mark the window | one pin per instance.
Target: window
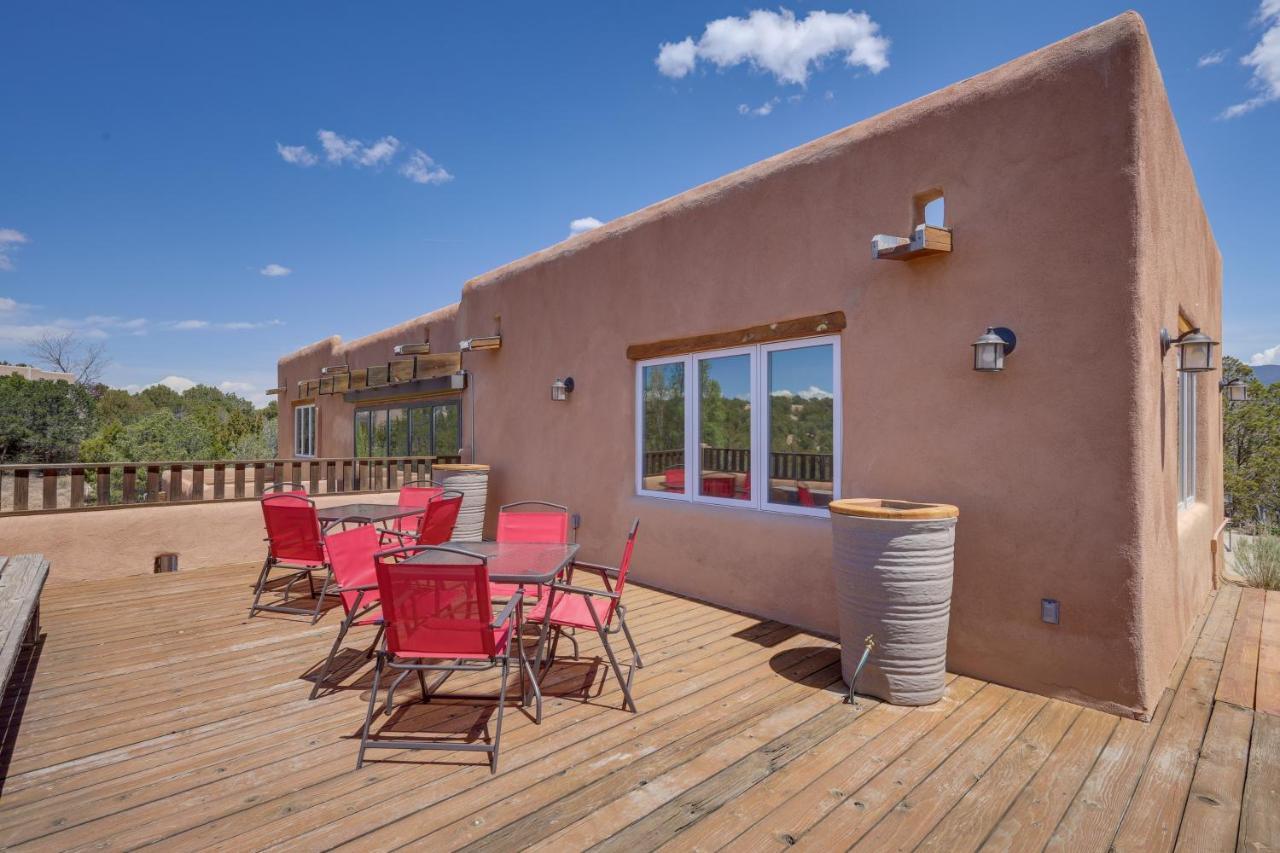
(1186, 438)
(304, 430)
(409, 429)
(760, 428)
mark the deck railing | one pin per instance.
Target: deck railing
(77, 485)
(782, 466)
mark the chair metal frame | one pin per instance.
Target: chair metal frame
(606, 628)
(571, 529)
(512, 615)
(297, 570)
(447, 494)
(399, 523)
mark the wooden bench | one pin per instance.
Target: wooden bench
(21, 581)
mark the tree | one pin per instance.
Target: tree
(43, 420)
(67, 353)
(1251, 448)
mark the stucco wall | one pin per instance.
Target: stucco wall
(1180, 272)
(1049, 461)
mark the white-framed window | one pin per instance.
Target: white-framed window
(1186, 438)
(755, 427)
(304, 430)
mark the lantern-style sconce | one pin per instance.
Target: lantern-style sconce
(990, 349)
(1195, 350)
(1235, 389)
(334, 368)
(562, 388)
(412, 349)
(458, 380)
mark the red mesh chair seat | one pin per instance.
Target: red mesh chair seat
(435, 526)
(499, 641)
(416, 494)
(351, 554)
(573, 611)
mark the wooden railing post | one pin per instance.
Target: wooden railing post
(153, 482)
(239, 479)
(21, 478)
(102, 493)
(49, 486)
(259, 475)
(219, 481)
(175, 482)
(197, 482)
(77, 486)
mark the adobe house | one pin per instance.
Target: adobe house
(1087, 471)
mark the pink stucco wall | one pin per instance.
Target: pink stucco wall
(1076, 223)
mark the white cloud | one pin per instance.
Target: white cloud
(1264, 59)
(275, 271)
(813, 392)
(762, 110)
(421, 169)
(1267, 356)
(585, 223)
(1212, 58)
(8, 305)
(233, 326)
(177, 383)
(341, 150)
(676, 59)
(9, 238)
(298, 155)
(778, 43)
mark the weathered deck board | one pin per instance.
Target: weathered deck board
(157, 712)
(1240, 665)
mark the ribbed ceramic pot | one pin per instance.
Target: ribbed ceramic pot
(893, 569)
(473, 482)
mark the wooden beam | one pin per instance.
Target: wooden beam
(801, 327)
(437, 366)
(400, 370)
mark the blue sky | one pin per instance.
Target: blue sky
(144, 186)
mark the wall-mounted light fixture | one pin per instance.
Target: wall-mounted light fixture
(562, 388)
(1235, 389)
(1195, 350)
(990, 349)
(412, 349)
(486, 342)
(458, 380)
(334, 368)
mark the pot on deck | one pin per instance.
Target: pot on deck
(893, 569)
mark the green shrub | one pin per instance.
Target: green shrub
(1258, 561)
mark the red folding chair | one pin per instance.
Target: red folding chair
(530, 522)
(435, 526)
(574, 607)
(286, 489)
(295, 543)
(673, 478)
(442, 612)
(804, 495)
(351, 553)
(416, 493)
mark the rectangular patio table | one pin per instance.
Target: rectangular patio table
(512, 562)
(364, 513)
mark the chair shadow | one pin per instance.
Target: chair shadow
(16, 695)
(766, 634)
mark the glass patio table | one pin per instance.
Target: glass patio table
(364, 513)
(520, 563)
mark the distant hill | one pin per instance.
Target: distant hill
(1267, 373)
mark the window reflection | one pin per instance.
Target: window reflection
(801, 426)
(724, 434)
(663, 401)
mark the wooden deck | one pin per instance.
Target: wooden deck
(155, 712)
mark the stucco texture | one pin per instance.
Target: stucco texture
(1076, 223)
